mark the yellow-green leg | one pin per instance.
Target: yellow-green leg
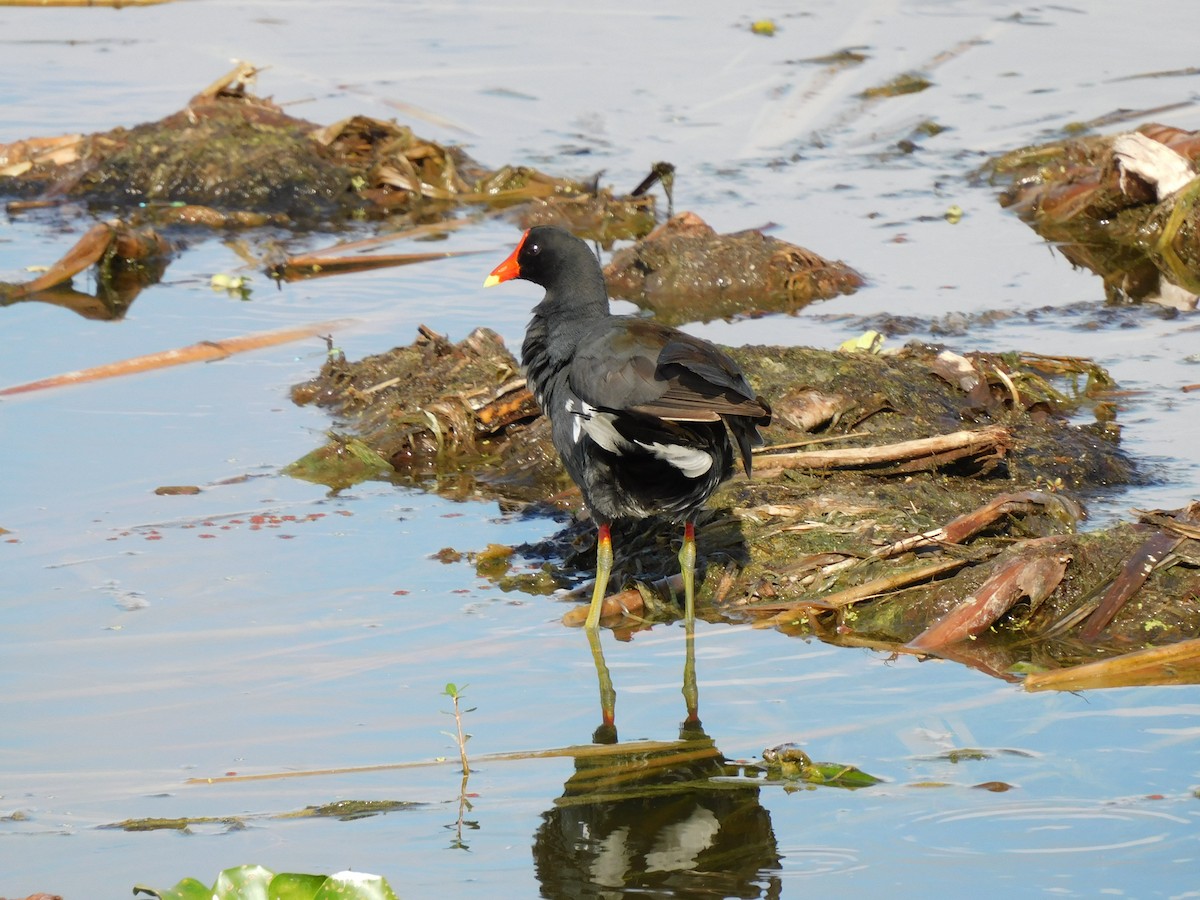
(604, 561)
(691, 693)
(607, 732)
(687, 567)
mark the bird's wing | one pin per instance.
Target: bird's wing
(648, 368)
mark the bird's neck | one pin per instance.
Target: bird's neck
(569, 317)
(579, 292)
(558, 325)
(571, 307)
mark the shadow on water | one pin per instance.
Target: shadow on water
(658, 820)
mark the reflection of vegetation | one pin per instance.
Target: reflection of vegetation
(1173, 664)
(126, 259)
(255, 881)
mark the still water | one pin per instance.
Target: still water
(151, 643)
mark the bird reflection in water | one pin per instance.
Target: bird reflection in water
(662, 818)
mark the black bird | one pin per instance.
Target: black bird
(640, 413)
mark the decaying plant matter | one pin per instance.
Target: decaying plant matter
(920, 501)
(232, 159)
(685, 272)
(937, 515)
(1122, 205)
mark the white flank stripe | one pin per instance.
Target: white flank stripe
(575, 408)
(599, 427)
(691, 462)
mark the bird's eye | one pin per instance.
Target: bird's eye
(534, 249)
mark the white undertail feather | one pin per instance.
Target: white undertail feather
(691, 461)
(599, 426)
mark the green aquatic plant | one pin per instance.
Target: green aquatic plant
(454, 692)
(259, 883)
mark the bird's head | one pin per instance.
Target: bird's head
(544, 254)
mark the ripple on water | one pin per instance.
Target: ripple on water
(1048, 828)
(805, 862)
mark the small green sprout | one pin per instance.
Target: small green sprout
(454, 692)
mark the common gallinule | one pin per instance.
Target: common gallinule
(640, 413)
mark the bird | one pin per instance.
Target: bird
(641, 414)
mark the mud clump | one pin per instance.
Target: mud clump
(685, 272)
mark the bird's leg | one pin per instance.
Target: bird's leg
(607, 732)
(687, 567)
(691, 694)
(604, 561)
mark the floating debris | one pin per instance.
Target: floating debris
(1123, 206)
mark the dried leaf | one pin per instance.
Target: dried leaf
(1033, 572)
(1174, 664)
(1133, 575)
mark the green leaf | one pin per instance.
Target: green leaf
(294, 886)
(837, 775)
(258, 883)
(243, 883)
(355, 886)
(187, 889)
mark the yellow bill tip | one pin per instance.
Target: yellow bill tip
(491, 280)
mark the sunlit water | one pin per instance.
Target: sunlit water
(265, 627)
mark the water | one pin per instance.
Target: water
(150, 640)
